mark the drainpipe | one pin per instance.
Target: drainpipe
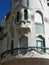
(12, 27)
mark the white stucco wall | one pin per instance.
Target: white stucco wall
(33, 4)
(32, 35)
(46, 34)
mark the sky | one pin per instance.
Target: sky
(5, 6)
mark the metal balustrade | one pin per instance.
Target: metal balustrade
(11, 51)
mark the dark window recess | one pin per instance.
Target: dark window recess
(25, 14)
(18, 16)
(48, 4)
(23, 42)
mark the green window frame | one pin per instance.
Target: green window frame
(40, 43)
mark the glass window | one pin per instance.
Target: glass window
(38, 18)
(23, 42)
(40, 43)
(39, 24)
(25, 14)
(39, 28)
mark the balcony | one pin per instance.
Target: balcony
(23, 19)
(39, 28)
(32, 52)
(23, 26)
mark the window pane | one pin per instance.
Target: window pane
(38, 18)
(40, 43)
(39, 28)
(23, 42)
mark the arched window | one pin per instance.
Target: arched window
(38, 17)
(40, 43)
(25, 14)
(23, 42)
(39, 23)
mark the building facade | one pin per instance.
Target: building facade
(27, 26)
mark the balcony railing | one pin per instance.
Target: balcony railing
(11, 51)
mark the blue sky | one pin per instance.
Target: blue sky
(4, 8)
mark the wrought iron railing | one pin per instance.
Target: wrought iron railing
(11, 51)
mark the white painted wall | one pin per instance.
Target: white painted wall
(46, 34)
(32, 35)
(34, 4)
